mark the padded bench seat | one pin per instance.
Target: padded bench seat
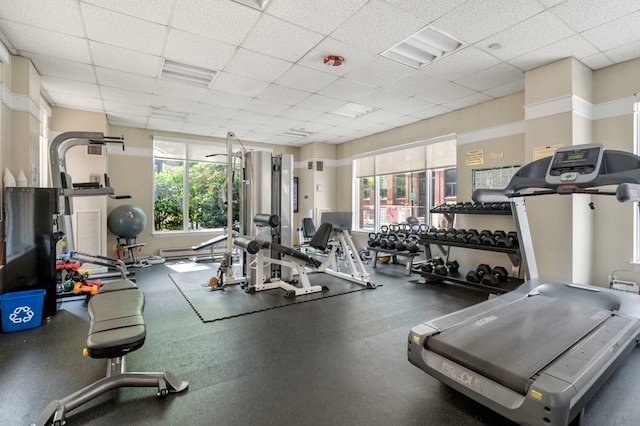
(117, 325)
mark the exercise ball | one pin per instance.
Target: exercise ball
(126, 221)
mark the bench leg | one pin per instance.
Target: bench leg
(56, 411)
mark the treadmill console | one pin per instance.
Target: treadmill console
(575, 164)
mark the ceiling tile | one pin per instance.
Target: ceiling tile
(112, 107)
(113, 28)
(575, 46)
(402, 121)
(225, 99)
(283, 95)
(491, 77)
(256, 65)
(624, 53)
(541, 30)
(506, 89)
(444, 93)
(209, 119)
(426, 10)
(332, 119)
(61, 16)
(197, 129)
(280, 39)
(320, 103)
(346, 90)
(180, 91)
(597, 61)
(173, 104)
(307, 79)
(319, 16)
(166, 125)
(381, 98)
(615, 33)
(298, 113)
(266, 107)
(461, 63)
(408, 106)
(124, 80)
(125, 95)
(237, 125)
(467, 101)
(381, 116)
(56, 67)
(45, 42)
(127, 120)
(219, 20)
(62, 85)
(414, 84)
(107, 56)
(476, 20)
(432, 112)
(158, 11)
(377, 26)
(244, 86)
(196, 50)
(217, 111)
(582, 15)
(70, 100)
(379, 72)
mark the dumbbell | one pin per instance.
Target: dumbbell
(473, 237)
(441, 235)
(510, 240)
(451, 235)
(496, 276)
(493, 239)
(481, 271)
(486, 238)
(430, 265)
(446, 269)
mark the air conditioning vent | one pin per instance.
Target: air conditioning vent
(94, 150)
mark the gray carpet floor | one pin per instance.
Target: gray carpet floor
(336, 361)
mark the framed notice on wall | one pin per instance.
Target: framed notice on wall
(494, 178)
(294, 193)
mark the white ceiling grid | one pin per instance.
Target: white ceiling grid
(107, 56)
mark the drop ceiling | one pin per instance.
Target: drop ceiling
(268, 81)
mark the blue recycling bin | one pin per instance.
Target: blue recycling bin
(21, 310)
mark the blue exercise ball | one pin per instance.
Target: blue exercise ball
(126, 221)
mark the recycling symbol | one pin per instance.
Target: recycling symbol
(21, 314)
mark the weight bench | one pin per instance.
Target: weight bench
(211, 245)
(117, 328)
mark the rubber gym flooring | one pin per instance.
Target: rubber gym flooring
(335, 361)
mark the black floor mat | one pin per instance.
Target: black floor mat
(233, 301)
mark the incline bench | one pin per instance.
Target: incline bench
(117, 328)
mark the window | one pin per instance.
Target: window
(190, 186)
(383, 187)
(401, 177)
(401, 186)
(636, 211)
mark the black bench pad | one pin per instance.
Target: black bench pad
(117, 325)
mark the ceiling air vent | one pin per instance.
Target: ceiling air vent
(297, 133)
(187, 74)
(256, 4)
(167, 114)
(352, 110)
(423, 47)
(94, 150)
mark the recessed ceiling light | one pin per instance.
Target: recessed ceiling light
(256, 4)
(352, 110)
(423, 47)
(187, 74)
(495, 46)
(167, 114)
(297, 133)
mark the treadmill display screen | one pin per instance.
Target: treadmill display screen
(579, 160)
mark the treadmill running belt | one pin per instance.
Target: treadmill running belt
(510, 345)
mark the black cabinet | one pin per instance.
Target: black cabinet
(30, 255)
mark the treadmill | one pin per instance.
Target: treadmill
(538, 354)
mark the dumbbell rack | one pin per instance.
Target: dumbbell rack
(513, 253)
